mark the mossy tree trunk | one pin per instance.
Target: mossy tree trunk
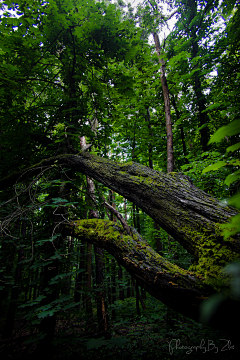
(180, 289)
(190, 215)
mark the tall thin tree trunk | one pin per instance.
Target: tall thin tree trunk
(48, 323)
(156, 226)
(120, 277)
(100, 294)
(170, 159)
(137, 299)
(113, 289)
(80, 278)
(197, 82)
(138, 220)
(181, 129)
(99, 254)
(150, 145)
(89, 281)
(9, 324)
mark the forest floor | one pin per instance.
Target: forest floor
(161, 334)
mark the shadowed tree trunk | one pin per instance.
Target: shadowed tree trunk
(113, 288)
(99, 260)
(9, 324)
(78, 294)
(89, 284)
(120, 277)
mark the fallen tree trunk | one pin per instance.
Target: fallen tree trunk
(176, 287)
(180, 289)
(190, 215)
(187, 213)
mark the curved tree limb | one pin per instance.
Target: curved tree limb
(176, 287)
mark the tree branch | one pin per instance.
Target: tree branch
(177, 288)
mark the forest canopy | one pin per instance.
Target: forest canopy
(112, 137)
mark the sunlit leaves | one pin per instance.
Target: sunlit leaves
(232, 128)
(215, 166)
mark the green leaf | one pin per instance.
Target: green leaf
(34, 302)
(72, 305)
(58, 200)
(46, 313)
(232, 228)
(41, 242)
(234, 147)
(231, 129)
(232, 177)
(235, 200)
(62, 298)
(214, 167)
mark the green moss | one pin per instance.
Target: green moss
(212, 255)
(108, 232)
(129, 163)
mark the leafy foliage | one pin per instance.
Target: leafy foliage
(85, 68)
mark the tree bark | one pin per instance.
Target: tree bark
(187, 213)
(178, 288)
(170, 160)
(201, 99)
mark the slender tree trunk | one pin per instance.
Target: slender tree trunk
(48, 324)
(201, 99)
(79, 279)
(134, 216)
(99, 254)
(170, 160)
(100, 295)
(143, 295)
(156, 226)
(181, 129)
(129, 287)
(132, 286)
(137, 298)
(120, 277)
(159, 244)
(7, 265)
(150, 145)
(9, 324)
(89, 283)
(125, 209)
(108, 271)
(113, 288)
(138, 220)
